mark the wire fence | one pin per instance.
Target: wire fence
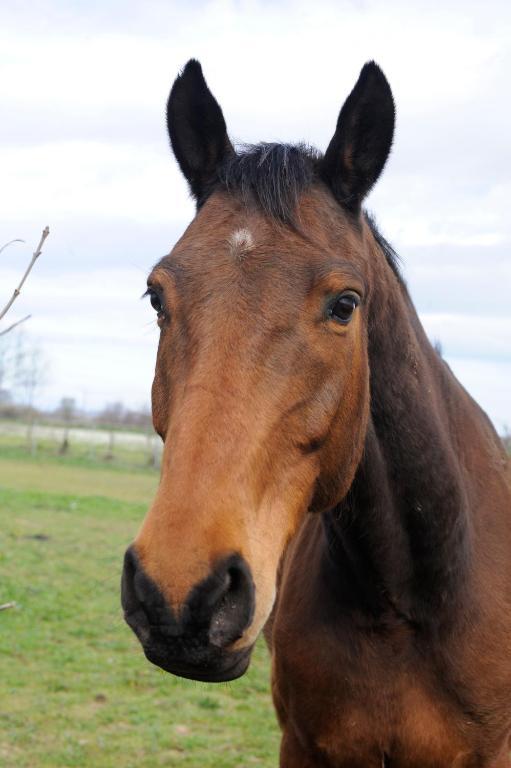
(114, 446)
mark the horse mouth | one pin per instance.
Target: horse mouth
(219, 670)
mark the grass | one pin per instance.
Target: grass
(75, 689)
(81, 481)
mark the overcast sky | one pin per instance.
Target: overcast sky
(83, 148)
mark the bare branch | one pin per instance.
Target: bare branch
(15, 325)
(6, 245)
(35, 256)
(5, 606)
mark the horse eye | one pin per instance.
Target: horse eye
(342, 308)
(155, 301)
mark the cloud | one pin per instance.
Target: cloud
(468, 280)
(89, 180)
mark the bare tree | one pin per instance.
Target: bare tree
(5, 361)
(29, 374)
(67, 412)
(17, 290)
(7, 375)
(112, 417)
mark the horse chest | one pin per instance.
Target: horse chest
(401, 731)
(338, 712)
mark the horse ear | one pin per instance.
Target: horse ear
(197, 129)
(362, 140)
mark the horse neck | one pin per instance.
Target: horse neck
(400, 536)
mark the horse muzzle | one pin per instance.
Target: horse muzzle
(197, 641)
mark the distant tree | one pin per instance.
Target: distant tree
(67, 412)
(140, 418)
(30, 369)
(8, 407)
(112, 417)
(5, 361)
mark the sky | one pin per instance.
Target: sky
(84, 149)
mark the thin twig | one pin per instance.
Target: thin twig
(15, 325)
(35, 255)
(5, 606)
(6, 245)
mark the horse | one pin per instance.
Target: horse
(325, 478)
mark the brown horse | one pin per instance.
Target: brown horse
(324, 474)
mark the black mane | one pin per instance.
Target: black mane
(273, 176)
(390, 254)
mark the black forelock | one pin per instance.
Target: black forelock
(272, 176)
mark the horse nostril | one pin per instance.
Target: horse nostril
(128, 596)
(134, 613)
(234, 608)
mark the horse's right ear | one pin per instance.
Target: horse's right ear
(197, 130)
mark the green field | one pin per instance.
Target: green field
(75, 688)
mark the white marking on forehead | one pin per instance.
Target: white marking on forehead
(241, 241)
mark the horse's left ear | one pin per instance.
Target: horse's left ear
(363, 137)
(197, 129)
